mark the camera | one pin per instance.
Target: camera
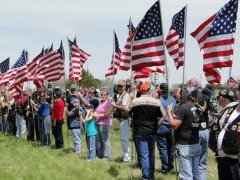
(116, 114)
(115, 93)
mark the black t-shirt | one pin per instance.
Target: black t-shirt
(188, 132)
(204, 102)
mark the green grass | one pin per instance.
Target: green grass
(20, 159)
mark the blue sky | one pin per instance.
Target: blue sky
(32, 24)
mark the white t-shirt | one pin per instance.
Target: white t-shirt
(123, 100)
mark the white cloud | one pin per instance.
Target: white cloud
(32, 24)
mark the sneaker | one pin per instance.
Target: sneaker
(126, 159)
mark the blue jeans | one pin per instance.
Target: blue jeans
(91, 145)
(146, 153)
(124, 132)
(5, 125)
(41, 129)
(189, 156)
(1, 122)
(202, 166)
(165, 147)
(47, 127)
(77, 140)
(103, 140)
(19, 125)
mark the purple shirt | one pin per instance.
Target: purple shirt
(101, 109)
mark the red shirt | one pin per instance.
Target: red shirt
(58, 110)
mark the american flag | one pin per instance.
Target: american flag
(115, 58)
(216, 40)
(49, 49)
(8, 77)
(16, 91)
(77, 59)
(40, 54)
(145, 72)
(61, 51)
(4, 66)
(175, 39)
(26, 73)
(50, 67)
(148, 43)
(62, 55)
(125, 59)
(39, 83)
(21, 61)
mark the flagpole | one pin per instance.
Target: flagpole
(164, 50)
(230, 70)
(113, 55)
(70, 57)
(132, 82)
(130, 33)
(185, 45)
(75, 82)
(28, 99)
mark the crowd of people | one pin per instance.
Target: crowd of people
(187, 121)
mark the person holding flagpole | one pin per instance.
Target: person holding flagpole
(186, 123)
(120, 107)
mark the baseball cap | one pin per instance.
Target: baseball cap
(121, 83)
(93, 104)
(227, 94)
(232, 80)
(144, 87)
(75, 100)
(164, 86)
(92, 90)
(58, 93)
(90, 106)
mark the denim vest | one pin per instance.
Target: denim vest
(74, 120)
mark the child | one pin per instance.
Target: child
(74, 124)
(91, 131)
(45, 119)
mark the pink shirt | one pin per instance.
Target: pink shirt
(102, 108)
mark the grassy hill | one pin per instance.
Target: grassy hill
(20, 159)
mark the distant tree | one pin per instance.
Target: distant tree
(87, 78)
